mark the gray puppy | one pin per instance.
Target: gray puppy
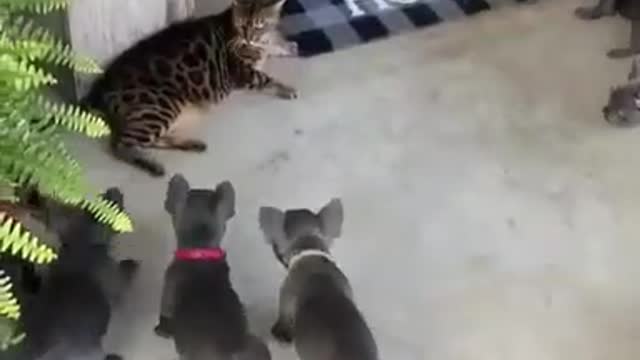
(317, 311)
(623, 108)
(199, 307)
(71, 311)
(629, 9)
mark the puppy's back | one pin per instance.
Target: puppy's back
(209, 317)
(328, 324)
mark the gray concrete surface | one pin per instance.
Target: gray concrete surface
(490, 212)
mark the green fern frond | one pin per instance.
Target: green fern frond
(21, 75)
(9, 312)
(40, 159)
(32, 152)
(75, 119)
(9, 306)
(16, 240)
(34, 160)
(34, 6)
(108, 212)
(36, 43)
(8, 334)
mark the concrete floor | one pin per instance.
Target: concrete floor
(490, 212)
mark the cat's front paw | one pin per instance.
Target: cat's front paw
(291, 48)
(281, 332)
(250, 53)
(286, 92)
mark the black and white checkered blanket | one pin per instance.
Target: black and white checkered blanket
(320, 26)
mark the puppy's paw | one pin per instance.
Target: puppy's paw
(282, 333)
(291, 49)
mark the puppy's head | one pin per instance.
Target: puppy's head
(72, 224)
(623, 108)
(199, 216)
(291, 231)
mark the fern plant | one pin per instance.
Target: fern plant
(32, 151)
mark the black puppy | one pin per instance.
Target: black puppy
(200, 308)
(71, 313)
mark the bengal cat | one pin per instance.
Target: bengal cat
(145, 91)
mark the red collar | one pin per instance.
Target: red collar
(210, 254)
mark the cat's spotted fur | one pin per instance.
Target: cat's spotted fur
(193, 63)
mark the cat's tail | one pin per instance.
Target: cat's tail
(92, 100)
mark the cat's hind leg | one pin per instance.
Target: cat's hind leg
(136, 156)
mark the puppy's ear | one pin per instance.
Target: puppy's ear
(331, 218)
(227, 200)
(176, 193)
(114, 195)
(272, 225)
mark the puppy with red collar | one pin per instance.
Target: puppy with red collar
(199, 307)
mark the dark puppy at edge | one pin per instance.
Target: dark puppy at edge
(71, 312)
(200, 308)
(623, 107)
(317, 311)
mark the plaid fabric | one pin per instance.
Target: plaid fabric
(320, 26)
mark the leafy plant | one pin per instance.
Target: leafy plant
(32, 151)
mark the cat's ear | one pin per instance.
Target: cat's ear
(331, 217)
(226, 200)
(176, 193)
(271, 222)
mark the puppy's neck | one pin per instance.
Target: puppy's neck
(306, 253)
(214, 254)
